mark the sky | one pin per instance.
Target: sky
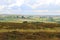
(30, 7)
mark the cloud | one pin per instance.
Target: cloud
(36, 11)
(30, 3)
(17, 3)
(58, 2)
(10, 6)
(39, 3)
(6, 2)
(13, 10)
(33, 3)
(54, 11)
(11, 3)
(15, 6)
(2, 7)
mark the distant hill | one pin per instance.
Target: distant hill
(30, 18)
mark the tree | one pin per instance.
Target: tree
(23, 17)
(50, 19)
(25, 22)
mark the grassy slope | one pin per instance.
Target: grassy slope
(28, 34)
(8, 26)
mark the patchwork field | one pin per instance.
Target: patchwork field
(30, 18)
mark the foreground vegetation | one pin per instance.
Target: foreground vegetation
(29, 31)
(25, 25)
(15, 35)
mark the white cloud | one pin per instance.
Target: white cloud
(36, 11)
(10, 8)
(55, 11)
(33, 4)
(36, 3)
(10, 11)
(2, 7)
(58, 2)
(17, 3)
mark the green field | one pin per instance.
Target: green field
(21, 18)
